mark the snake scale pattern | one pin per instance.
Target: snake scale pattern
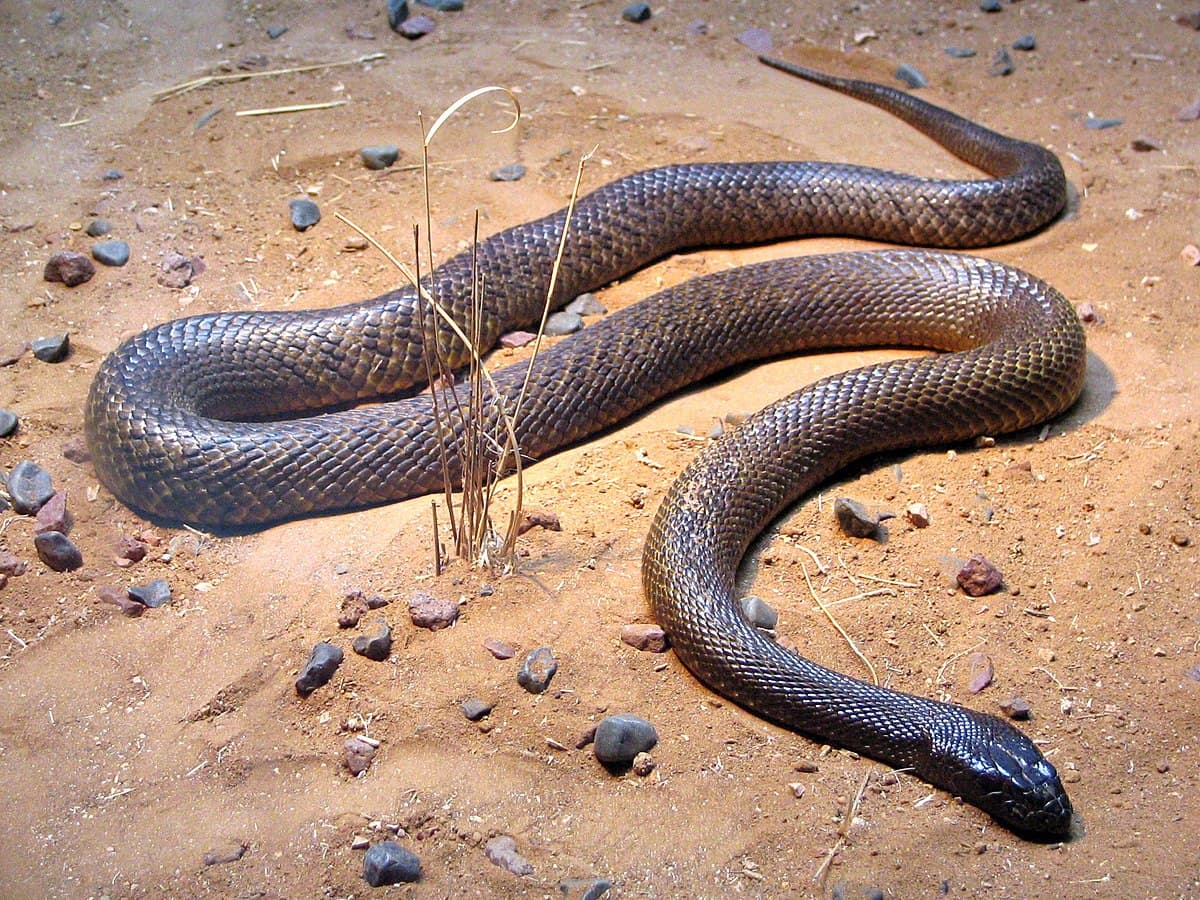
(202, 420)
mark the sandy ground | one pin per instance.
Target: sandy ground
(131, 748)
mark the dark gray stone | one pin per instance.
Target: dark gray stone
(8, 422)
(990, 6)
(56, 550)
(98, 228)
(563, 322)
(1025, 43)
(113, 175)
(854, 519)
(1100, 124)
(377, 646)
(911, 76)
(584, 888)
(320, 667)
(621, 737)
(1002, 64)
(52, 349)
(379, 156)
(155, 594)
(758, 612)
(305, 214)
(389, 863)
(476, 709)
(276, 31)
(960, 52)
(636, 12)
(443, 5)
(111, 253)
(537, 670)
(29, 486)
(511, 172)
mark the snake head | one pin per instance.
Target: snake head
(995, 767)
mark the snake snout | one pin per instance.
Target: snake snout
(994, 766)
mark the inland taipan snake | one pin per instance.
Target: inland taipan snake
(188, 421)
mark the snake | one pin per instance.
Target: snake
(237, 419)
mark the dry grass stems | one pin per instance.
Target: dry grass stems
(475, 423)
(209, 80)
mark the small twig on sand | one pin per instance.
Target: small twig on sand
(840, 630)
(297, 107)
(843, 830)
(184, 87)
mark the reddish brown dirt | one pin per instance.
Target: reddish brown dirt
(130, 748)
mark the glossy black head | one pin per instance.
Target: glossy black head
(995, 767)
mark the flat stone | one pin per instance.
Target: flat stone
(111, 253)
(320, 667)
(276, 31)
(379, 156)
(428, 611)
(153, 594)
(304, 213)
(52, 349)
(563, 322)
(443, 5)
(502, 851)
(416, 27)
(69, 267)
(622, 737)
(499, 649)
(960, 52)
(389, 863)
(29, 486)
(476, 709)
(537, 670)
(121, 598)
(511, 172)
(56, 550)
(645, 636)
(586, 305)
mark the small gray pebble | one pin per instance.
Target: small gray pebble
(29, 487)
(443, 5)
(389, 863)
(8, 422)
(56, 550)
(55, 17)
(990, 6)
(320, 667)
(502, 851)
(305, 214)
(757, 39)
(960, 52)
(276, 31)
(113, 175)
(98, 228)
(584, 888)
(586, 305)
(1025, 42)
(376, 647)
(52, 349)
(563, 322)
(511, 172)
(476, 709)
(111, 253)
(758, 612)
(636, 12)
(155, 594)
(621, 737)
(397, 12)
(911, 77)
(379, 156)
(1002, 64)
(1100, 124)
(537, 670)
(416, 27)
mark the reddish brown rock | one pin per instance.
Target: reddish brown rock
(428, 611)
(645, 636)
(979, 577)
(69, 267)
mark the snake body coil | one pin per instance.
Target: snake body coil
(184, 420)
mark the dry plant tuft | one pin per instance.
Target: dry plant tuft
(475, 422)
